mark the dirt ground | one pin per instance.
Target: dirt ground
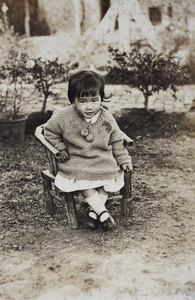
(150, 253)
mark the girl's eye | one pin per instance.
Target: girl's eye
(95, 100)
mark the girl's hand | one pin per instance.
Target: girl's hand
(127, 168)
(64, 156)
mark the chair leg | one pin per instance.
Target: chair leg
(71, 210)
(126, 195)
(48, 198)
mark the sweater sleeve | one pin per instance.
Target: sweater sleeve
(53, 131)
(120, 152)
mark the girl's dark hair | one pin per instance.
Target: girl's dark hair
(85, 83)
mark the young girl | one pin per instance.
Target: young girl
(93, 157)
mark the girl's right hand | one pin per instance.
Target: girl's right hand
(64, 156)
(127, 168)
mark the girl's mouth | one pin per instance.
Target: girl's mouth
(89, 114)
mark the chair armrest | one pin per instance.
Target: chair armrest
(128, 142)
(40, 137)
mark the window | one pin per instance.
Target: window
(170, 11)
(155, 15)
(116, 24)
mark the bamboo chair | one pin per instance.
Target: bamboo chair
(52, 193)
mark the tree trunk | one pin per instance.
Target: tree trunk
(27, 18)
(44, 104)
(146, 101)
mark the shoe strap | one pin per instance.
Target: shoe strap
(91, 210)
(103, 212)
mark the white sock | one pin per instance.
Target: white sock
(103, 194)
(97, 205)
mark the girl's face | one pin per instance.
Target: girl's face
(88, 106)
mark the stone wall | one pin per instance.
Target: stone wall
(127, 98)
(123, 98)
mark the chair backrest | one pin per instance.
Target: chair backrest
(52, 153)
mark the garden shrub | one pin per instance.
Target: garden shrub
(148, 71)
(46, 73)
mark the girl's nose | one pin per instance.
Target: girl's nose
(89, 105)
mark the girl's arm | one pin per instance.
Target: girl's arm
(54, 133)
(120, 152)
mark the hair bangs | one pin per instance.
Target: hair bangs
(90, 87)
(85, 84)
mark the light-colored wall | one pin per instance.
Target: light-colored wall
(92, 14)
(58, 14)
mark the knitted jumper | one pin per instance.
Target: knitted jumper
(98, 159)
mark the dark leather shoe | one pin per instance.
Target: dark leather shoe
(91, 222)
(108, 223)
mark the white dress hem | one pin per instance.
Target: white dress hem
(70, 185)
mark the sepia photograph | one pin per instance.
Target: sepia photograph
(97, 159)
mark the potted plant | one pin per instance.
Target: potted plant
(13, 75)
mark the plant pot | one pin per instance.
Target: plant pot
(13, 129)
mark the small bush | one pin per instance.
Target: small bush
(148, 71)
(45, 73)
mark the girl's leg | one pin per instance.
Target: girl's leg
(103, 194)
(94, 200)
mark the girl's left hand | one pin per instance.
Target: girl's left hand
(64, 156)
(127, 168)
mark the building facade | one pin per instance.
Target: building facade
(49, 17)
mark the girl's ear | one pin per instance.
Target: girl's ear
(73, 104)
